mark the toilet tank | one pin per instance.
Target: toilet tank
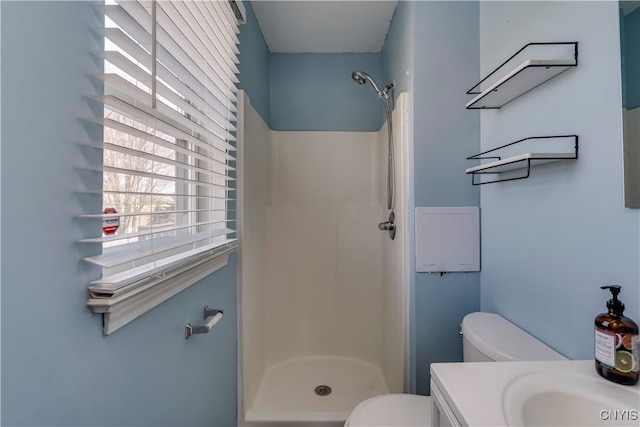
(489, 337)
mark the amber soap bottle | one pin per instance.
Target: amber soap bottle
(617, 350)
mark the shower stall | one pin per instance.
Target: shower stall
(323, 292)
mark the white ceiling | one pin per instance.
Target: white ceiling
(314, 26)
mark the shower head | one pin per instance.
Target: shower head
(361, 78)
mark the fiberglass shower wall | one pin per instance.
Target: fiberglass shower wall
(323, 249)
(319, 280)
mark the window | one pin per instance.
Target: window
(168, 167)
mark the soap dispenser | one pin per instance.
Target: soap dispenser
(617, 350)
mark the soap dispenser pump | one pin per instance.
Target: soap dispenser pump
(617, 350)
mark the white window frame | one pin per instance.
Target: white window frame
(119, 305)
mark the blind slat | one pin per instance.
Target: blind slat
(138, 133)
(219, 123)
(218, 29)
(158, 230)
(133, 172)
(182, 166)
(142, 100)
(179, 32)
(117, 281)
(138, 113)
(141, 52)
(134, 252)
(209, 102)
(121, 214)
(211, 39)
(177, 194)
(169, 137)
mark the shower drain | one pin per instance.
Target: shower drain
(323, 390)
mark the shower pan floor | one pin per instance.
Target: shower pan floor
(289, 390)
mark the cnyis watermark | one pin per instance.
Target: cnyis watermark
(619, 415)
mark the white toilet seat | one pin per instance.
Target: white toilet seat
(392, 410)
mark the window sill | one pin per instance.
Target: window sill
(118, 311)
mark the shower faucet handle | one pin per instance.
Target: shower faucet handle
(389, 225)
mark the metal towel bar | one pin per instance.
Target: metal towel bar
(214, 316)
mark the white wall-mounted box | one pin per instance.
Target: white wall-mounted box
(447, 239)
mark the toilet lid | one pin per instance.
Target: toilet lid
(392, 410)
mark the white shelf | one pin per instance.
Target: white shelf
(552, 148)
(518, 162)
(522, 79)
(525, 70)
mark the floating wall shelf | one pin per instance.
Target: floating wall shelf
(527, 73)
(523, 161)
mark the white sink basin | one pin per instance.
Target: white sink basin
(569, 399)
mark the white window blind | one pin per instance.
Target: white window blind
(169, 146)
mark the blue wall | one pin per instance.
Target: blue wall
(446, 63)
(307, 92)
(550, 241)
(398, 51)
(57, 367)
(315, 92)
(437, 62)
(254, 64)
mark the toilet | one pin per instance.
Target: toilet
(486, 337)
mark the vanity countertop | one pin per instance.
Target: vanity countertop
(477, 389)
